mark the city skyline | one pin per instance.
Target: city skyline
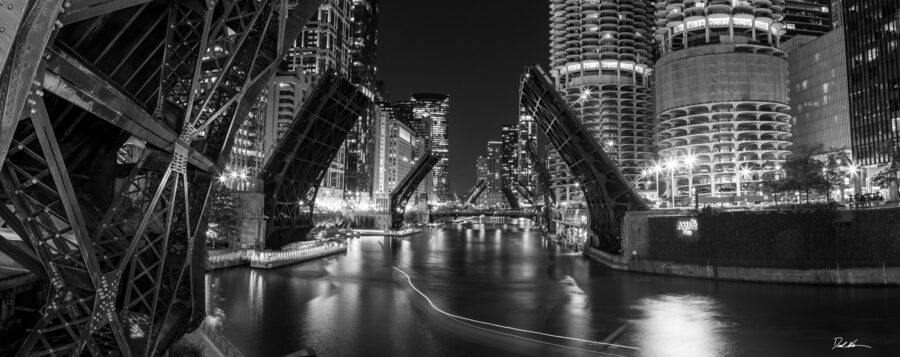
(421, 51)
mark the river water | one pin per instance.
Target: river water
(501, 290)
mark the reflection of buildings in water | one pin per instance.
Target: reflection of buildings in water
(256, 293)
(679, 325)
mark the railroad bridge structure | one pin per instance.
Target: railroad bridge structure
(119, 236)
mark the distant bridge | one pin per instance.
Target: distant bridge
(520, 213)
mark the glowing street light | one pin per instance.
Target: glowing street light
(689, 162)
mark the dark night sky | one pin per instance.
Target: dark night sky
(473, 50)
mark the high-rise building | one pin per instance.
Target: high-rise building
(324, 43)
(481, 168)
(402, 111)
(527, 136)
(363, 42)
(430, 112)
(806, 17)
(360, 140)
(493, 194)
(509, 136)
(395, 145)
(248, 153)
(600, 57)
(286, 94)
(721, 93)
(872, 32)
(818, 90)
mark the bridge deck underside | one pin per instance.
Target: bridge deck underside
(293, 173)
(476, 191)
(606, 192)
(120, 238)
(407, 187)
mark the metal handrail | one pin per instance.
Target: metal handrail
(219, 341)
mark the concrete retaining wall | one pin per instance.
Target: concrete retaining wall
(852, 277)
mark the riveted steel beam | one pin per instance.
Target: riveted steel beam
(405, 189)
(78, 84)
(85, 9)
(607, 193)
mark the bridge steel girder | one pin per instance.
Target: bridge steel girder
(543, 175)
(125, 266)
(404, 191)
(476, 191)
(524, 192)
(510, 197)
(607, 194)
(435, 215)
(292, 175)
(544, 180)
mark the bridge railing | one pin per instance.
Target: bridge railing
(219, 341)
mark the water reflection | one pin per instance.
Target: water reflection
(679, 325)
(355, 304)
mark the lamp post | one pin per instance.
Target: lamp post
(671, 164)
(854, 171)
(689, 162)
(742, 171)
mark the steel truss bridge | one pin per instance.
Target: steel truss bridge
(607, 193)
(120, 238)
(516, 213)
(295, 169)
(404, 191)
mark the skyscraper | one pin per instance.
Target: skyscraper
(394, 155)
(361, 139)
(364, 42)
(818, 90)
(721, 93)
(872, 31)
(600, 59)
(527, 136)
(430, 112)
(806, 17)
(493, 194)
(509, 159)
(324, 43)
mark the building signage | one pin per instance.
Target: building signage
(687, 228)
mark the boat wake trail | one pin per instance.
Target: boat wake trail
(510, 331)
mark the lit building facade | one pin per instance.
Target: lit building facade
(509, 159)
(818, 90)
(806, 17)
(394, 155)
(721, 94)
(527, 136)
(872, 32)
(430, 113)
(493, 194)
(364, 42)
(285, 97)
(361, 139)
(600, 60)
(324, 43)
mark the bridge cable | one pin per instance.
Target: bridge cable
(438, 309)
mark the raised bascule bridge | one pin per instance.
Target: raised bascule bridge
(607, 193)
(117, 231)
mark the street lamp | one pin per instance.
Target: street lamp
(854, 171)
(689, 162)
(742, 171)
(671, 164)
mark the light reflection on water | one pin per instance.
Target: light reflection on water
(355, 305)
(679, 325)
